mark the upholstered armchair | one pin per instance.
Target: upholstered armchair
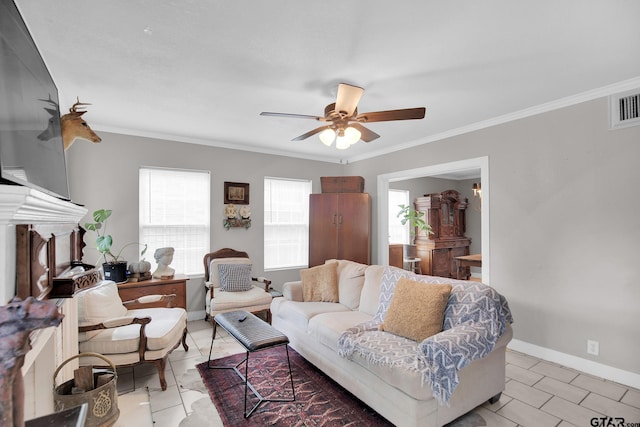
(128, 337)
(230, 286)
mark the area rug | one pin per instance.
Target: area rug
(319, 400)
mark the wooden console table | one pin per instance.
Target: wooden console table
(462, 262)
(176, 285)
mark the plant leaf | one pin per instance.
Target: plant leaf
(101, 215)
(103, 243)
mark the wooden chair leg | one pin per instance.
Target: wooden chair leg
(184, 340)
(161, 364)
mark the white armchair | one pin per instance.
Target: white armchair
(255, 299)
(128, 337)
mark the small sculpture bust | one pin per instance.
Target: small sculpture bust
(164, 257)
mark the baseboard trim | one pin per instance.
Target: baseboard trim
(196, 315)
(587, 366)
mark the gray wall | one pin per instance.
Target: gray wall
(105, 175)
(564, 227)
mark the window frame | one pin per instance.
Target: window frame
(203, 229)
(303, 261)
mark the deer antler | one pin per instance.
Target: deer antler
(74, 126)
(74, 107)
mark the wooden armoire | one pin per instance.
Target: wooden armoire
(339, 227)
(445, 213)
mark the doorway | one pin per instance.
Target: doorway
(479, 163)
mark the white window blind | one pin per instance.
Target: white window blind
(286, 223)
(398, 233)
(174, 211)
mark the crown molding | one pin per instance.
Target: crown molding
(568, 101)
(516, 115)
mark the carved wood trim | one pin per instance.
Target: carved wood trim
(65, 287)
(23, 261)
(44, 251)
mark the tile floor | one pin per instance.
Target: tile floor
(537, 393)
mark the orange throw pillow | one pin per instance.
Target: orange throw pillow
(320, 283)
(417, 309)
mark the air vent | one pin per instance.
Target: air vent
(624, 109)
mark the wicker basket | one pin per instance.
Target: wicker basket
(102, 401)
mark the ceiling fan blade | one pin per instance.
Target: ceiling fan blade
(311, 133)
(365, 134)
(293, 116)
(348, 98)
(386, 116)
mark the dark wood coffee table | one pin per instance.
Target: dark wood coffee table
(253, 334)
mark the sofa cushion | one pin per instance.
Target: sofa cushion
(417, 309)
(320, 283)
(350, 282)
(326, 328)
(299, 313)
(401, 372)
(370, 296)
(235, 277)
(225, 301)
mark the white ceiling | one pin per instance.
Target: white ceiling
(201, 71)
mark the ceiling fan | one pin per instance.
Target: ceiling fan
(344, 124)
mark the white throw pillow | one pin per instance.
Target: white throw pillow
(100, 303)
(350, 282)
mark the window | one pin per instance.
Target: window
(286, 223)
(398, 233)
(174, 211)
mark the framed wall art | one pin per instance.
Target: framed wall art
(236, 192)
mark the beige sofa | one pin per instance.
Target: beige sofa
(317, 330)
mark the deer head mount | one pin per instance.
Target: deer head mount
(74, 127)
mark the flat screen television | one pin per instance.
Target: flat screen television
(31, 149)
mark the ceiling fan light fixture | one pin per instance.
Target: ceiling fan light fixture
(352, 135)
(347, 137)
(342, 143)
(327, 137)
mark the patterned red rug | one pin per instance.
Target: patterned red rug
(319, 400)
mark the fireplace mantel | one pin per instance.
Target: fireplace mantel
(23, 205)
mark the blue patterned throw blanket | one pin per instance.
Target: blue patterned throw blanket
(475, 317)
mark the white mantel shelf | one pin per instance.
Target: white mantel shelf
(23, 205)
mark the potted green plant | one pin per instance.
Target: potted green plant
(415, 219)
(115, 267)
